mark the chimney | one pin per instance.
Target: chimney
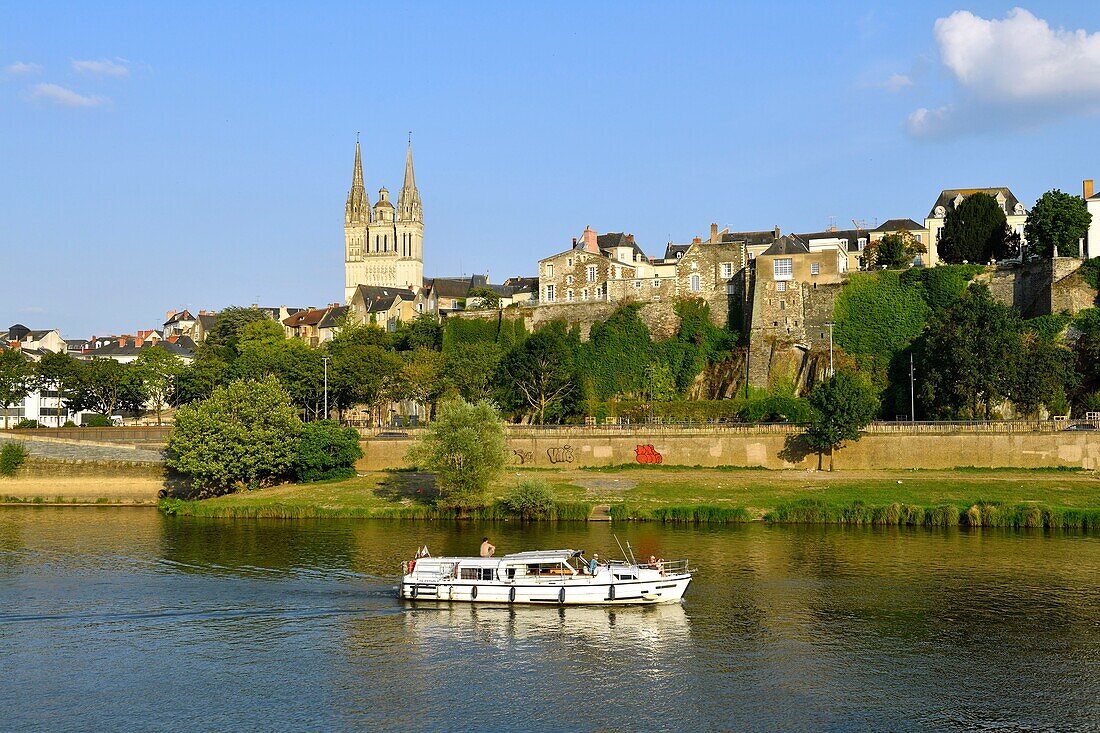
(713, 233)
(590, 245)
(1087, 188)
(121, 342)
(169, 314)
(696, 240)
(777, 231)
(630, 238)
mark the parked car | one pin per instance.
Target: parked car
(1079, 427)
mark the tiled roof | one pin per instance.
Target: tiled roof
(787, 245)
(898, 225)
(850, 236)
(333, 317)
(750, 238)
(948, 195)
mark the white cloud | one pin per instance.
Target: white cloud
(21, 67)
(65, 97)
(1018, 66)
(103, 67)
(896, 83)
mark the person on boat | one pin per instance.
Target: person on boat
(487, 549)
(593, 563)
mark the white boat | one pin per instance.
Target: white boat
(549, 577)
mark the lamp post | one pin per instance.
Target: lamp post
(325, 359)
(830, 324)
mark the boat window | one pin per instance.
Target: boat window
(548, 568)
(625, 577)
(477, 573)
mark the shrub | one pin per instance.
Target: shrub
(26, 424)
(97, 421)
(12, 456)
(530, 499)
(244, 434)
(69, 424)
(327, 451)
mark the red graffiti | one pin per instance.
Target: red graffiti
(647, 454)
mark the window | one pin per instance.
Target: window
(783, 268)
(476, 573)
(549, 292)
(637, 283)
(729, 289)
(569, 295)
(656, 283)
(727, 269)
(569, 262)
(584, 294)
(752, 256)
(590, 273)
(695, 283)
(918, 238)
(782, 305)
(861, 243)
(815, 268)
(549, 269)
(568, 279)
(781, 286)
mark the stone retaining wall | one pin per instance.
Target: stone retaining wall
(777, 451)
(57, 449)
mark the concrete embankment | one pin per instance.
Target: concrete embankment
(714, 448)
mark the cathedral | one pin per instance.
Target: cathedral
(383, 246)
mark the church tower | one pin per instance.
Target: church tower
(410, 229)
(383, 245)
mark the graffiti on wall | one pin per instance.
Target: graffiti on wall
(647, 454)
(522, 457)
(562, 454)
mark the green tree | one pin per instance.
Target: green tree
(106, 386)
(469, 367)
(58, 372)
(16, 379)
(840, 408)
(199, 378)
(159, 371)
(422, 376)
(484, 298)
(1057, 221)
(298, 367)
(969, 355)
(423, 332)
(975, 231)
(540, 375)
(1044, 374)
(363, 375)
(465, 448)
(244, 435)
(618, 352)
(660, 382)
(894, 251)
(327, 451)
(230, 323)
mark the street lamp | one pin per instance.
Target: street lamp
(325, 359)
(830, 324)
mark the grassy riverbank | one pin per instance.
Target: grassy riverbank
(968, 497)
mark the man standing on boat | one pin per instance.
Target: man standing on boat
(487, 549)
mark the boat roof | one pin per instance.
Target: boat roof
(530, 556)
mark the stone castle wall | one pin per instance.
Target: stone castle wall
(1041, 288)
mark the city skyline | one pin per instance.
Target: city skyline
(207, 166)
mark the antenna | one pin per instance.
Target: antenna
(357, 136)
(860, 224)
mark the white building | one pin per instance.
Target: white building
(950, 198)
(1091, 246)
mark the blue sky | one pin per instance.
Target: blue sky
(157, 156)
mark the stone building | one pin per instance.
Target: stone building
(950, 198)
(383, 245)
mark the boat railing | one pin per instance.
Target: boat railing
(668, 567)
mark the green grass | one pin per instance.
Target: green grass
(932, 498)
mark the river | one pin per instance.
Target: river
(121, 619)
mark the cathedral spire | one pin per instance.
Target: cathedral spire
(408, 202)
(357, 209)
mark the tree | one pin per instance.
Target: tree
(327, 451)
(974, 231)
(57, 372)
(244, 435)
(469, 368)
(465, 448)
(104, 386)
(660, 382)
(423, 332)
(894, 251)
(540, 373)
(1044, 374)
(362, 375)
(483, 298)
(840, 407)
(1058, 221)
(229, 324)
(297, 366)
(159, 371)
(16, 379)
(199, 378)
(422, 377)
(969, 356)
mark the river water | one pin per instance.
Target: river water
(116, 619)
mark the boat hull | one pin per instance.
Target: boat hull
(588, 592)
